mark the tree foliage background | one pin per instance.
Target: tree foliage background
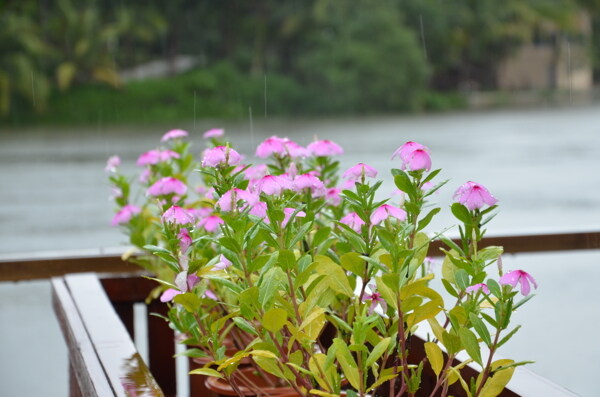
(315, 56)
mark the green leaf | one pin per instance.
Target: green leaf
(274, 319)
(461, 213)
(271, 366)
(287, 259)
(206, 372)
(508, 336)
(302, 231)
(244, 325)
(349, 367)
(481, 329)
(494, 287)
(195, 353)
(449, 288)
(489, 253)
(435, 357)
(336, 277)
(403, 182)
(469, 341)
(189, 301)
(451, 342)
(462, 279)
(272, 281)
(320, 236)
(427, 219)
(353, 262)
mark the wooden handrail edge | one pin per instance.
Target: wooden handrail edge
(18, 267)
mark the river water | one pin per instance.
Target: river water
(543, 165)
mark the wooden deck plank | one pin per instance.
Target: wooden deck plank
(85, 367)
(124, 368)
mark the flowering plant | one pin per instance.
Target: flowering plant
(317, 280)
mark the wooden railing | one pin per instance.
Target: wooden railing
(97, 319)
(46, 265)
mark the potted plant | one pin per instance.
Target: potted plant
(288, 273)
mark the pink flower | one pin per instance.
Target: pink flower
(229, 200)
(260, 210)
(112, 164)
(359, 172)
(325, 148)
(211, 223)
(221, 155)
(224, 263)
(481, 286)
(353, 221)
(167, 185)
(474, 196)
(294, 150)
(519, 276)
(256, 172)
(178, 216)
(125, 214)
(184, 282)
(210, 295)
(333, 196)
(169, 294)
(427, 186)
(309, 181)
(156, 156)
(288, 213)
(281, 147)
(385, 211)
(272, 184)
(145, 175)
(185, 240)
(116, 193)
(414, 156)
(174, 134)
(201, 212)
(150, 157)
(292, 171)
(214, 133)
(375, 299)
(272, 145)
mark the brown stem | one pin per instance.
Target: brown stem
(441, 379)
(488, 365)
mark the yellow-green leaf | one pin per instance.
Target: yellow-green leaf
(352, 261)
(322, 393)
(386, 293)
(449, 268)
(347, 363)
(377, 351)
(494, 385)
(338, 281)
(435, 357)
(263, 353)
(274, 319)
(424, 312)
(206, 372)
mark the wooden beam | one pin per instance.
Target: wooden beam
(16, 268)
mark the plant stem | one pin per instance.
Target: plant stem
(488, 365)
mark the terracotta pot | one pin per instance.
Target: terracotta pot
(267, 386)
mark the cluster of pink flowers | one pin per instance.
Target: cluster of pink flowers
(292, 178)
